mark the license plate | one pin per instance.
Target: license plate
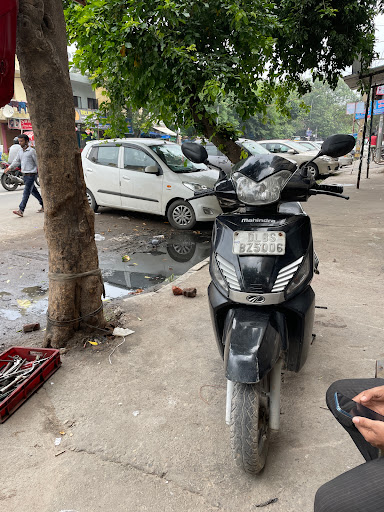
(259, 242)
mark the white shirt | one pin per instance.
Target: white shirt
(13, 150)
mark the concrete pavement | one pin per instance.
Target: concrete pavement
(147, 432)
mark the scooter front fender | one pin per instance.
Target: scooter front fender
(254, 341)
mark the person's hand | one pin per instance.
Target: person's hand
(371, 430)
(372, 398)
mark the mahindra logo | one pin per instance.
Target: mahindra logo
(258, 220)
(256, 299)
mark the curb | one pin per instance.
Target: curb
(176, 282)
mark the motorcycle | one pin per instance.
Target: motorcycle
(12, 179)
(261, 303)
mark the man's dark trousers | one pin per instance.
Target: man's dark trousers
(29, 188)
(361, 489)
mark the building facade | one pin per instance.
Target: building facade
(14, 117)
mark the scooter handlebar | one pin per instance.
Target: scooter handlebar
(337, 189)
(208, 192)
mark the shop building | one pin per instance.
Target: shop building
(14, 117)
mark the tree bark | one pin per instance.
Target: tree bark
(222, 140)
(69, 221)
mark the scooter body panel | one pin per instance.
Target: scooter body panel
(253, 343)
(251, 331)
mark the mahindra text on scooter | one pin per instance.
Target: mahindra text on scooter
(261, 302)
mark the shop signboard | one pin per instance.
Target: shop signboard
(25, 124)
(378, 107)
(14, 124)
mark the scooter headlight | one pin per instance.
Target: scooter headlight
(263, 192)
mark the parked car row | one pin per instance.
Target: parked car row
(153, 175)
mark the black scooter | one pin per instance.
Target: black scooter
(261, 302)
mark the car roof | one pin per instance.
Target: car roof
(276, 140)
(148, 141)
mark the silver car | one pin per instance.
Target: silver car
(292, 150)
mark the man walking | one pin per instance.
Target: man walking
(26, 159)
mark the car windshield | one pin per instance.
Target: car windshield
(172, 155)
(298, 147)
(254, 148)
(308, 145)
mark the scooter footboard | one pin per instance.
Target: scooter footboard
(254, 341)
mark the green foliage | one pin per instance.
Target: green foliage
(322, 110)
(183, 58)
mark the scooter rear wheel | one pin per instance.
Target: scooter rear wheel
(249, 425)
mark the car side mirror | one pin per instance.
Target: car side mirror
(152, 169)
(337, 145)
(291, 151)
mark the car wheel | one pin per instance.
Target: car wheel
(181, 215)
(91, 201)
(313, 171)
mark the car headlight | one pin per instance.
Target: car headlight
(263, 192)
(195, 187)
(327, 158)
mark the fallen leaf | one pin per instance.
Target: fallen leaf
(126, 258)
(93, 342)
(8, 281)
(139, 318)
(24, 303)
(62, 433)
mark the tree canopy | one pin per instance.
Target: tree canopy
(181, 57)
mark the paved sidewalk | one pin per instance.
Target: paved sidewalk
(147, 432)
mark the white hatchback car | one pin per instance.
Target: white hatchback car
(151, 176)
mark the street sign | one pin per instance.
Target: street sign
(378, 107)
(351, 108)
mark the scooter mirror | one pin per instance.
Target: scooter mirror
(196, 153)
(338, 145)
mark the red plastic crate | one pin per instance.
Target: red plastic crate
(34, 381)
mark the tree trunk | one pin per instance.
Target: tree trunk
(74, 300)
(222, 140)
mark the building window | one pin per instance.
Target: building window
(92, 103)
(77, 101)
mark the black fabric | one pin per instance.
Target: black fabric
(361, 489)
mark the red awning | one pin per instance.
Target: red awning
(30, 135)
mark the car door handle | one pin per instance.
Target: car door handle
(126, 178)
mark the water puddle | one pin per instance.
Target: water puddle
(35, 292)
(160, 265)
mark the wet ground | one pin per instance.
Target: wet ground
(137, 253)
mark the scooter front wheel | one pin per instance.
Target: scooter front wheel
(249, 425)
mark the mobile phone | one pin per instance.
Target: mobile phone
(351, 409)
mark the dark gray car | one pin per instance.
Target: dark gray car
(216, 157)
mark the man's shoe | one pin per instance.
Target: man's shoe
(18, 212)
(41, 210)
